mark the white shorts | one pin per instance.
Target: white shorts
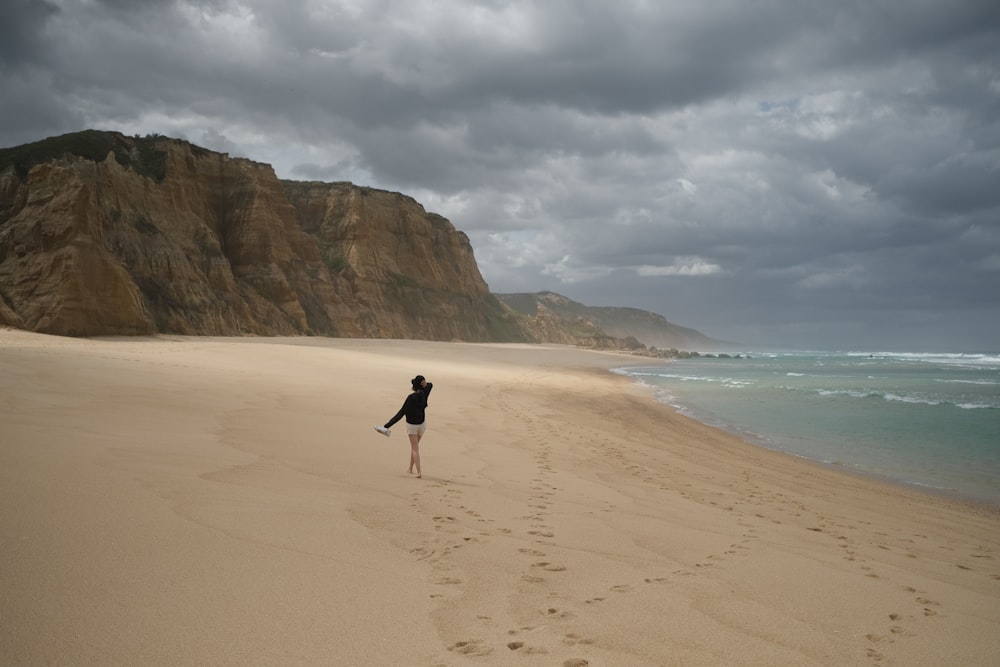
(416, 429)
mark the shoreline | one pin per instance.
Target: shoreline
(845, 469)
(977, 495)
(182, 500)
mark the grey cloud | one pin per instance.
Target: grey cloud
(21, 25)
(833, 163)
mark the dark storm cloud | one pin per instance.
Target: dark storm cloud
(791, 172)
(21, 25)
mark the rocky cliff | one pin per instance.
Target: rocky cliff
(103, 234)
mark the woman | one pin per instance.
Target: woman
(416, 424)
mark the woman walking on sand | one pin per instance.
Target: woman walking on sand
(413, 409)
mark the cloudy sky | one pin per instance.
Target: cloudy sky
(788, 172)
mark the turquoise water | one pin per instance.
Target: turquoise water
(931, 420)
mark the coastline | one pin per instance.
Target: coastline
(225, 501)
(803, 416)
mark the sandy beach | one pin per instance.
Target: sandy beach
(202, 501)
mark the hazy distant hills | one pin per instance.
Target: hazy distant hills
(651, 329)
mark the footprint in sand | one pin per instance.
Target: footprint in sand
(927, 604)
(471, 647)
(551, 567)
(541, 533)
(520, 647)
(525, 628)
(573, 639)
(875, 655)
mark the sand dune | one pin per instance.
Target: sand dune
(191, 501)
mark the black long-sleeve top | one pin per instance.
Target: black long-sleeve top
(413, 407)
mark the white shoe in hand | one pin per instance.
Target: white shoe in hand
(383, 430)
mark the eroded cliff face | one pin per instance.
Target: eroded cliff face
(403, 270)
(160, 236)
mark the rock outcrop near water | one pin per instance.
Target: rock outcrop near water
(104, 234)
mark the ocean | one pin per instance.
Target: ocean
(928, 420)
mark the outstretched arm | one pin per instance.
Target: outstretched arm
(398, 415)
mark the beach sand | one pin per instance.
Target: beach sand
(207, 501)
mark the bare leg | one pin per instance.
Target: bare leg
(415, 453)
